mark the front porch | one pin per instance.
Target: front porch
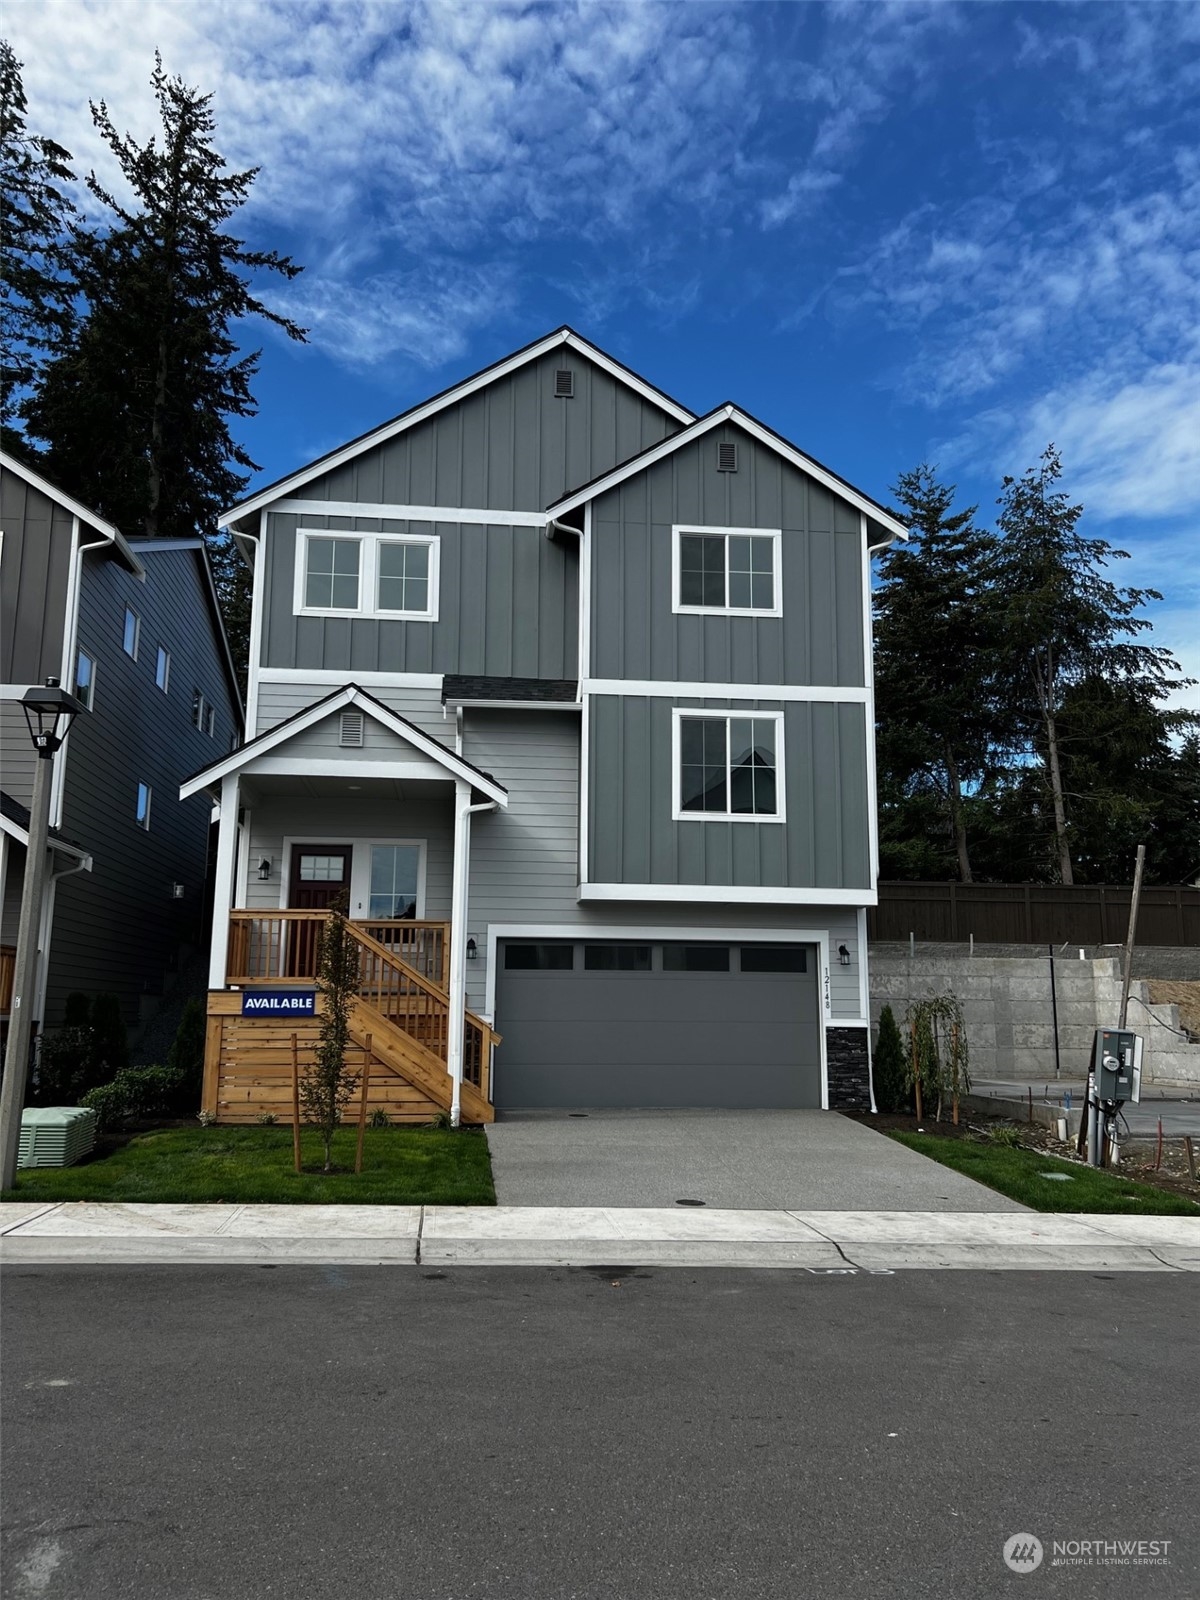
(347, 803)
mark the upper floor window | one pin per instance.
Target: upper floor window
(727, 767)
(85, 679)
(162, 668)
(144, 796)
(727, 571)
(131, 633)
(371, 574)
(203, 715)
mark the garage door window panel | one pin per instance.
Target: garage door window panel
(695, 958)
(617, 958)
(539, 957)
(773, 958)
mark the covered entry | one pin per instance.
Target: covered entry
(656, 1023)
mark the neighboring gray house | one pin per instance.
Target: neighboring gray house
(569, 692)
(131, 626)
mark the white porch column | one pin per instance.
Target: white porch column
(458, 945)
(227, 839)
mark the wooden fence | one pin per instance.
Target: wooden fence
(1032, 913)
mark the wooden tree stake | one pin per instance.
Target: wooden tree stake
(916, 1071)
(362, 1106)
(296, 1101)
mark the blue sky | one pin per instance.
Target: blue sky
(895, 232)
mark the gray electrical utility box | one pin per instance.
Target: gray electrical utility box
(1117, 1064)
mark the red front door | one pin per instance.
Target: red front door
(320, 875)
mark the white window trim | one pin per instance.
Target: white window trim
(143, 823)
(360, 867)
(165, 685)
(368, 574)
(775, 535)
(680, 815)
(137, 632)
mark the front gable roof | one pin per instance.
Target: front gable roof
(351, 695)
(241, 516)
(757, 430)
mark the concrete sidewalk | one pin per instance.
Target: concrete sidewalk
(817, 1241)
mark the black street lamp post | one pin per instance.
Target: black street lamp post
(49, 711)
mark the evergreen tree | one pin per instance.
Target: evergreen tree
(135, 409)
(938, 730)
(36, 216)
(888, 1065)
(1063, 622)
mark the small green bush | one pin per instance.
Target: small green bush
(134, 1095)
(186, 1055)
(1004, 1133)
(379, 1118)
(66, 1066)
(891, 1095)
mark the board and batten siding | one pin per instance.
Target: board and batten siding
(634, 632)
(822, 844)
(507, 607)
(117, 928)
(510, 446)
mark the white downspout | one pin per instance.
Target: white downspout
(46, 932)
(70, 649)
(463, 812)
(223, 884)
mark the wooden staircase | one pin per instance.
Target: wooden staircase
(400, 1027)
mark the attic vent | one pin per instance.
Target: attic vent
(726, 457)
(351, 733)
(564, 384)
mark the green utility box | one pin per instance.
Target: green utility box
(55, 1136)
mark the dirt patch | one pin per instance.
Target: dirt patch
(1140, 1158)
(1185, 995)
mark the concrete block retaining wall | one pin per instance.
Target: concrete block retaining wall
(1009, 1015)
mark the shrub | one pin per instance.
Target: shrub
(186, 1055)
(888, 1065)
(1006, 1134)
(133, 1095)
(266, 1119)
(111, 1038)
(66, 1066)
(379, 1118)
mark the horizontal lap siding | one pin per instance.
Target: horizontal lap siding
(635, 633)
(823, 844)
(423, 707)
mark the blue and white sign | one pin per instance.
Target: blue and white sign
(279, 1002)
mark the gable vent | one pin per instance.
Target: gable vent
(564, 384)
(726, 457)
(352, 731)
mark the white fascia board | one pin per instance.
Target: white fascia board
(410, 419)
(248, 755)
(307, 766)
(724, 894)
(729, 413)
(693, 690)
(77, 509)
(318, 676)
(20, 836)
(398, 513)
(515, 705)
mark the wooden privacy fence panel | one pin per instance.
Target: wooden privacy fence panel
(1032, 913)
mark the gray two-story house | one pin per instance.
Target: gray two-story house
(131, 627)
(566, 693)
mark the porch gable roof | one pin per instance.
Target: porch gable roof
(456, 766)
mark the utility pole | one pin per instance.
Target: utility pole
(1129, 937)
(49, 712)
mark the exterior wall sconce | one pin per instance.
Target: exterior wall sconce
(176, 891)
(264, 868)
(472, 950)
(843, 956)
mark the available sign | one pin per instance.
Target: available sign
(279, 1002)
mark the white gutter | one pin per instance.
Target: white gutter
(458, 946)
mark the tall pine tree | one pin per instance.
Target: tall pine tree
(1063, 622)
(135, 410)
(36, 216)
(938, 729)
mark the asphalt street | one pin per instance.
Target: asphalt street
(209, 1433)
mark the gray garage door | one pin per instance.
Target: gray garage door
(656, 1024)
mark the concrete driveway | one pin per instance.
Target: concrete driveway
(732, 1160)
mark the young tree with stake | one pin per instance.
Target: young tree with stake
(328, 1086)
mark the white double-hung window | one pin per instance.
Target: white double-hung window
(727, 572)
(728, 767)
(367, 575)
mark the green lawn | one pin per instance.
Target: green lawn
(401, 1166)
(1020, 1175)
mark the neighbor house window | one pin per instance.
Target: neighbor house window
(332, 569)
(143, 805)
(403, 578)
(162, 669)
(131, 630)
(367, 575)
(210, 719)
(727, 571)
(727, 767)
(85, 679)
(395, 880)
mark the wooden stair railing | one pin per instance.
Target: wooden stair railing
(399, 1053)
(283, 946)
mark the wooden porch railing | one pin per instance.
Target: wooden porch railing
(282, 946)
(8, 965)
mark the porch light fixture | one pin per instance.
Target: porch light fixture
(472, 950)
(49, 711)
(264, 868)
(843, 956)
